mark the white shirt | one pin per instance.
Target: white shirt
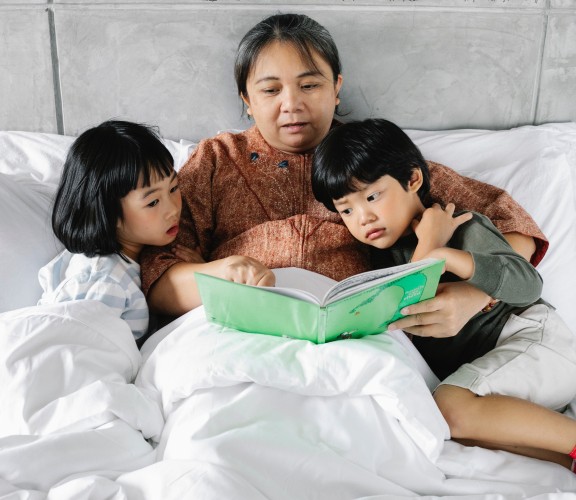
(108, 279)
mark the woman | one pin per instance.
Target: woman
(247, 197)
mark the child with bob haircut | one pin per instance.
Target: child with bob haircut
(514, 363)
(118, 192)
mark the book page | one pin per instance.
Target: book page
(301, 284)
(358, 282)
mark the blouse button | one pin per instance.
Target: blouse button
(283, 164)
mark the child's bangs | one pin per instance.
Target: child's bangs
(155, 168)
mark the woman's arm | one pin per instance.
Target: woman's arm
(444, 315)
(523, 245)
(175, 291)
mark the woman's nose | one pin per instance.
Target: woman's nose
(291, 100)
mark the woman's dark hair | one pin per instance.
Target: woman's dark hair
(302, 32)
(102, 166)
(362, 152)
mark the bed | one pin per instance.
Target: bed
(204, 412)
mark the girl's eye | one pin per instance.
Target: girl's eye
(373, 196)
(175, 188)
(346, 211)
(152, 203)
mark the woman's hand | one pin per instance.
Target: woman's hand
(444, 315)
(188, 254)
(435, 228)
(246, 270)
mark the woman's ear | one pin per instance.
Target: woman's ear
(246, 101)
(416, 180)
(337, 87)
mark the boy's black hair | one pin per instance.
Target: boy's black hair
(362, 152)
(102, 166)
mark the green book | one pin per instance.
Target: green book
(306, 305)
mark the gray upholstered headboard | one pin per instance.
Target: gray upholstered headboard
(66, 65)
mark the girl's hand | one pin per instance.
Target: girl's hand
(187, 254)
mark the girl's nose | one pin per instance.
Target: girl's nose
(174, 208)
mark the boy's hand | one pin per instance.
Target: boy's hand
(436, 227)
(187, 254)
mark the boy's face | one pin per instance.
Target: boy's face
(380, 213)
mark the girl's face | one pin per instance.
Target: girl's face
(150, 216)
(381, 212)
(292, 104)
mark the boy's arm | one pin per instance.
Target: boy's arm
(497, 269)
(435, 229)
(456, 302)
(506, 214)
(458, 262)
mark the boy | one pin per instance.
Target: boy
(514, 362)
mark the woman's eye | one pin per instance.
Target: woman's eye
(269, 91)
(153, 203)
(310, 86)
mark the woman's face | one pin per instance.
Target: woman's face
(291, 103)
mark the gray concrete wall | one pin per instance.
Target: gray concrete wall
(428, 64)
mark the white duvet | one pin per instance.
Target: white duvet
(68, 405)
(217, 414)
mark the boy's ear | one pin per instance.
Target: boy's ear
(416, 180)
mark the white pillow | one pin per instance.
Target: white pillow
(27, 241)
(537, 166)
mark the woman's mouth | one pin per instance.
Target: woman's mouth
(294, 127)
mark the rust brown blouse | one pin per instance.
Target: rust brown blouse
(242, 197)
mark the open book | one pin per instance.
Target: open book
(306, 305)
